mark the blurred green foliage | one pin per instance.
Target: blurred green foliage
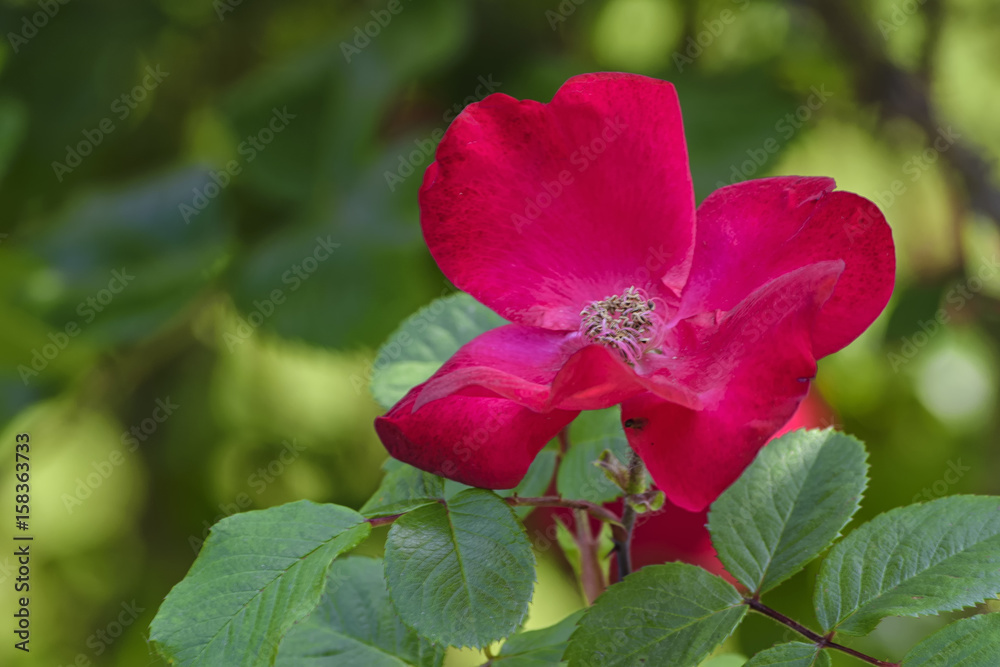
(186, 251)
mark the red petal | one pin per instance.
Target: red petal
(543, 370)
(673, 534)
(751, 372)
(513, 361)
(478, 440)
(813, 412)
(538, 209)
(752, 232)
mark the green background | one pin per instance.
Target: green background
(117, 521)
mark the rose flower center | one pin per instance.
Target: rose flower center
(624, 323)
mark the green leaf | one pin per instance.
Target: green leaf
(590, 434)
(538, 648)
(674, 614)
(788, 506)
(130, 245)
(793, 654)
(922, 559)
(971, 642)
(355, 625)
(424, 341)
(258, 573)
(461, 574)
(402, 489)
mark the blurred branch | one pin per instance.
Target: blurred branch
(899, 93)
(933, 11)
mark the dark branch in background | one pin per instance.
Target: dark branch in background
(933, 11)
(820, 641)
(899, 93)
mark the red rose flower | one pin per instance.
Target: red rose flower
(575, 221)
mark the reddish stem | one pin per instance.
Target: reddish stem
(594, 509)
(382, 520)
(544, 501)
(591, 575)
(819, 640)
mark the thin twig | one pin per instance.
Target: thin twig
(933, 11)
(591, 573)
(623, 539)
(563, 442)
(820, 641)
(593, 509)
(382, 520)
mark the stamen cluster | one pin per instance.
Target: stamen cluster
(621, 322)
